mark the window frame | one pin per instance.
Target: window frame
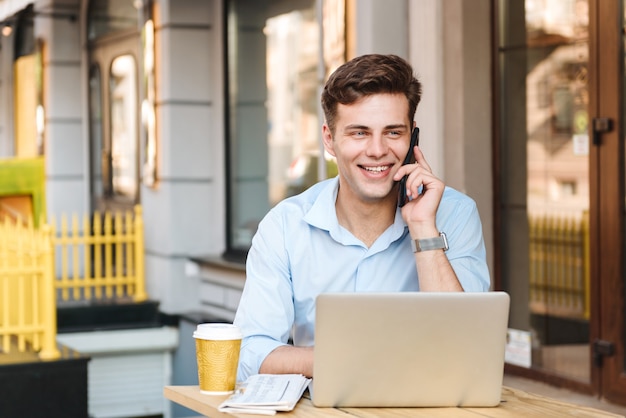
(233, 252)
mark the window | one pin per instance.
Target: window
(543, 59)
(273, 123)
(114, 124)
(99, 160)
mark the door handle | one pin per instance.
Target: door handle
(601, 349)
(601, 126)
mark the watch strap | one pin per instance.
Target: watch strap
(428, 244)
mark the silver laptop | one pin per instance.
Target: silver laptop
(415, 349)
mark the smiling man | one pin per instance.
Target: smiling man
(347, 234)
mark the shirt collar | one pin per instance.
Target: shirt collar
(323, 215)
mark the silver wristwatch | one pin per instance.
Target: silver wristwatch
(437, 243)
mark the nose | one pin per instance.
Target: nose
(377, 146)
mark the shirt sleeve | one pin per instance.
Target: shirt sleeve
(467, 255)
(265, 313)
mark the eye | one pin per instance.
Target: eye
(394, 134)
(358, 134)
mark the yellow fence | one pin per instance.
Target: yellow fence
(559, 265)
(100, 264)
(27, 305)
(95, 259)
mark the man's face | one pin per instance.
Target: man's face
(370, 142)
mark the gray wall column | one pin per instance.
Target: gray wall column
(184, 213)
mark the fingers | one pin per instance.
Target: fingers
(420, 177)
(420, 162)
(424, 190)
(420, 159)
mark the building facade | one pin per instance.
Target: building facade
(206, 112)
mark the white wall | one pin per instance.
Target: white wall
(381, 27)
(65, 147)
(426, 55)
(184, 214)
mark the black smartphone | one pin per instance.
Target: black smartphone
(409, 159)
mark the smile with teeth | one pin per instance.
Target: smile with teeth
(377, 169)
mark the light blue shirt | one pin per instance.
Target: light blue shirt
(300, 251)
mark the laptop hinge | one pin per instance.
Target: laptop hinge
(601, 349)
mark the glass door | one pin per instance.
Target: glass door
(544, 152)
(561, 194)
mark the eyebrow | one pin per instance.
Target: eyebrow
(396, 126)
(353, 127)
(364, 127)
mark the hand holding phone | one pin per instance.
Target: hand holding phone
(409, 159)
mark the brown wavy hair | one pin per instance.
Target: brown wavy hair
(367, 75)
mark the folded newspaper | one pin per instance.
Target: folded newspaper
(266, 394)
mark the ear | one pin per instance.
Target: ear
(327, 138)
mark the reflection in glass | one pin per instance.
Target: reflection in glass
(148, 105)
(123, 93)
(99, 156)
(545, 98)
(273, 127)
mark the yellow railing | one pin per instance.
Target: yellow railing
(40, 267)
(106, 263)
(559, 265)
(27, 303)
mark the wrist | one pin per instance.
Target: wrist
(423, 230)
(439, 242)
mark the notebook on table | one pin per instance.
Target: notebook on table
(415, 349)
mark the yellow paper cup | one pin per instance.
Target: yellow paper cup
(217, 353)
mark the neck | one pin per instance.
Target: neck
(365, 220)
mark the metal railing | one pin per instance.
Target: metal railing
(100, 259)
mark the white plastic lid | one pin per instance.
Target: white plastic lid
(217, 331)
